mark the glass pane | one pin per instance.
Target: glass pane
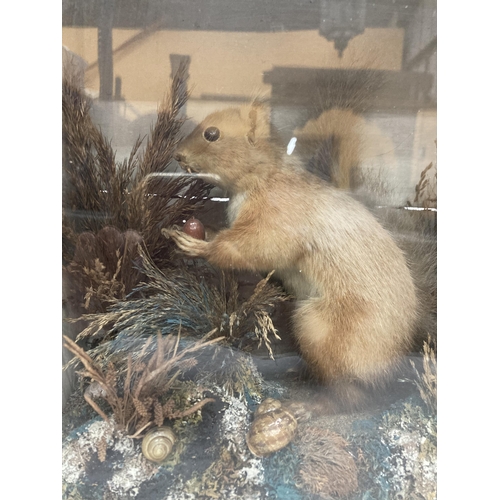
(249, 249)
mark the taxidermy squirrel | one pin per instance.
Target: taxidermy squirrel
(357, 303)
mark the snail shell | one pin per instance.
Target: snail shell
(267, 405)
(272, 429)
(158, 443)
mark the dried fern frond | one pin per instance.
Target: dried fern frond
(135, 400)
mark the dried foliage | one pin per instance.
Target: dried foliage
(257, 310)
(103, 285)
(105, 267)
(102, 447)
(427, 381)
(99, 191)
(327, 468)
(165, 300)
(224, 473)
(142, 395)
(426, 189)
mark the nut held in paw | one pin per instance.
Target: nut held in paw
(193, 227)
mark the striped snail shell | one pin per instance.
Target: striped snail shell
(158, 443)
(272, 429)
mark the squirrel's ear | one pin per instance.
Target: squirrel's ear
(256, 115)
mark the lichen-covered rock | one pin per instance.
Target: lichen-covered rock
(100, 461)
(398, 453)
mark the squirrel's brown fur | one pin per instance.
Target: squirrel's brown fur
(356, 300)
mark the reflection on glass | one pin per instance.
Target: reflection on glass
(249, 249)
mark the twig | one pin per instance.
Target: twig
(193, 409)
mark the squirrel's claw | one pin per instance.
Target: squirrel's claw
(192, 247)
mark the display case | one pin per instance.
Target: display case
(249, 249)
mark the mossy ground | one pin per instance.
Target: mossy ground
(393, 444)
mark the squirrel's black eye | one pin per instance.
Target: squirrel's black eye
(211, 134)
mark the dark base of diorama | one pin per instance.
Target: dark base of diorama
(392, 444)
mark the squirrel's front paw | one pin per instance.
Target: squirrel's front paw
(192, 247)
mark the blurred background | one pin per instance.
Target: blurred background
(303, 57)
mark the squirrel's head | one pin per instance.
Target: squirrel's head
(232, 144)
